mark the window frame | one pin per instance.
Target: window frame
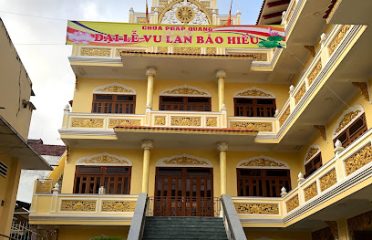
(269, 109)
(184, 104)
(113, 102)
(351, 137)
(311, 160)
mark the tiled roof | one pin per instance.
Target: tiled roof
(45, 149)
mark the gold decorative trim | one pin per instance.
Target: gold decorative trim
(129, 49)
(211, 50)
(183, 160)
(87, 122)
(187, 50)
(300, 93)
(257, 126)
(104, 158)
(162, 49)
(311, 191)
(328, 180)
(95, 52)
(284, 116)
(211, 122)
(257, 208)
(160, 120)
(292, 203)
(262, 162)
(359, 159)
(347, 118)
(184, 91)
(254, 93)
(115, 88)
(118, 206)
(78, 205)
(124, 122)
(338, 38)
(314, 73)
(186, 121)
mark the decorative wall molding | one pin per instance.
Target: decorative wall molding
(118, 206)
(262, 162)
(87, 122)
(254, 126)
(184, 160)
(254, 93)
(104, 159)
(359, 159)
(257, 208)
(311, 191)
(328, 180)
(115, 88)
(185, 91)
(292, 203)
(347, 118)
(78, 205)
(124, 122)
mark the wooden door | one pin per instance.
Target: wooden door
(183, 192)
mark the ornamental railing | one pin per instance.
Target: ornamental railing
(349, 167)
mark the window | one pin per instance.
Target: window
(115, 180)
(351, 133)
(185, 103)
(109, 103)
(263, 182)
(251, 107)
(313, 164)
(3, 169)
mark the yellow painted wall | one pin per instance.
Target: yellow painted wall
(86, 233)
(327, 146)
(15, 86)
(84, 92)
(276, 235)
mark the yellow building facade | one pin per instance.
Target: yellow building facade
(15, 116)
(284, 132)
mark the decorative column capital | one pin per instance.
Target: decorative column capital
(222, 146)
(221, 74)
(147, 144)
(151, 71)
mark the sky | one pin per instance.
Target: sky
(38, 29)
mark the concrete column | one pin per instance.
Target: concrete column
(221, 75)
(150, 73)
(222, 147)
(343, 230)
(147, 145)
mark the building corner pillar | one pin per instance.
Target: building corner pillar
(147, 145)
(222, 148)
(150, 73)
(221, 75)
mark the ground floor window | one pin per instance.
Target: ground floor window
(115, 179)
(263, 182)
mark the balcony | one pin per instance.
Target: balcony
(348, 173)
(77, 209)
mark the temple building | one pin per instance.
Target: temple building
(256, 137)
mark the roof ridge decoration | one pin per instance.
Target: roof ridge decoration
(184, 160)
(185, 91)
(115, 88)
(254, 93)
(262, 162)
(347, 118)
(105, 159)
(190, 12)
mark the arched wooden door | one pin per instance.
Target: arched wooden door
(183, 192)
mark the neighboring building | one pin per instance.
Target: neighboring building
(15, 115)
(285, 131)
(52, 154)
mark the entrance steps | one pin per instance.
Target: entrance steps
(177, 228)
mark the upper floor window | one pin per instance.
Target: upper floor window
(254, 107)
(254, 102)
(171, 103)
(313, 161)
(352, 125)
(111, 103)
(115, 179)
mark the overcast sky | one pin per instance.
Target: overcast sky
(37, 28)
